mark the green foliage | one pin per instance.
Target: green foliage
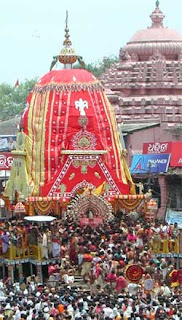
(100, 67)
(12, 100)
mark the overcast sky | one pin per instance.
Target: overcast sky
(32, 31)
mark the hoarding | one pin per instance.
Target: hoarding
(174, 216)
(157, 147)
(173, 147)
(176, 154)
(6, 160)
(150, 163)
(7, 143)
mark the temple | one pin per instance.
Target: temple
(70, 157)
(145, 89)
(145, 85)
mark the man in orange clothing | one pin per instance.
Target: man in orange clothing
(60, 308)
(86, 265)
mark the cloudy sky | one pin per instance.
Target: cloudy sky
(32, 31)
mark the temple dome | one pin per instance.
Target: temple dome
(155, 35)
(157, 38)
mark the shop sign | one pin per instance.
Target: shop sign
(176, 154)
(173, 216)
(174, 147)
(157, 147)
(6, 161)
(150, 163)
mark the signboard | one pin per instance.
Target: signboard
(174, 216)
(150, 163)
(176, 154)
(175, 148)
(6, 161)
(157, 147)
(7, 143)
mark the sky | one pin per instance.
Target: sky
(32, 31)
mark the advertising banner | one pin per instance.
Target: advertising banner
(157, 147)
(174, 147)
(174, 216)
(6, 160)
(7, 143)
(150, 163)
(176, 154)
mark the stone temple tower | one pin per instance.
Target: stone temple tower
(145, 88)
(146, 84)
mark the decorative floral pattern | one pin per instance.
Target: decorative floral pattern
(84, 140)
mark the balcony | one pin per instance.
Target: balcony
(165, 246)
(32, 252)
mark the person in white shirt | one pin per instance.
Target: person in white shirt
(133, 288)
(108, 312)
(44, 245)
(165, 291)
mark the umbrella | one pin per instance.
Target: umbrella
(40, 218)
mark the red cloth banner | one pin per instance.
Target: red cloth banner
(6, 161)
(72, 138)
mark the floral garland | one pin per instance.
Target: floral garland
(68, 87)
(130, 205)
(43, 207)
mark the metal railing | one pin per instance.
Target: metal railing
(165, 246)
(27, 252)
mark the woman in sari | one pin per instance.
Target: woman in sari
(73, 251)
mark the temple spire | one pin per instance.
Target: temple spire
(157, 17)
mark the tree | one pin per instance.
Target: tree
(12, 100)
(99, 67)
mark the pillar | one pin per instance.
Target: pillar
(30, 209)
(31, 269)
(63, 212)
(4, 271)
(163, 192)
(20, 269)
(39, 273)
(11, 272)
(180, 248)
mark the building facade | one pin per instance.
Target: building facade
(145, 88)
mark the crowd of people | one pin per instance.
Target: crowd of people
(100, 257)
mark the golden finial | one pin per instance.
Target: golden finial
(67, 41)
(67, 55)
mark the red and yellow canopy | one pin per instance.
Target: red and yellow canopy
(72, 140)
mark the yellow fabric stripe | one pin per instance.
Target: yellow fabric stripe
(43, 132)
(112, 134)
(49, 136)
(29, 141)
(125, 172)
